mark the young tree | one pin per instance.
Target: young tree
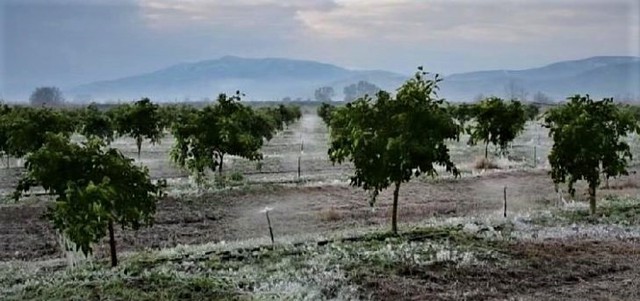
(389, 140)
(497, 122)
(142, 120)
(96, 124)
(94, 188)
(228, 127)
(324, 111)
(26, 128)
(5, 112)
(532, 111)
(587, 142)
(463, 113)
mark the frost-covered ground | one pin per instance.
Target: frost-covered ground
(561, 253)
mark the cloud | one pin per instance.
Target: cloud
(488, 21)
(238, 14)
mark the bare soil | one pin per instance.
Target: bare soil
(549, 270)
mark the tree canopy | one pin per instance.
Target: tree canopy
(96, 124)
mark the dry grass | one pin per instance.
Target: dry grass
(484, 163)
(622, 183)
(330, 214)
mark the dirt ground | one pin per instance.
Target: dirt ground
(236, 215)
(548, 270)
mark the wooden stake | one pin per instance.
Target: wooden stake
(505, 202)
(298, 168)
(270, 229)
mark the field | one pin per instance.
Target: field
(213, 243)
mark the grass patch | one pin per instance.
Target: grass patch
(612, 210)
(303, 271)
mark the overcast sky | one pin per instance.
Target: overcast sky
(70, 42)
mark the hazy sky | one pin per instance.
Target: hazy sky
(69, 42)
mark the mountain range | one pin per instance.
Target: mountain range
(276, 78)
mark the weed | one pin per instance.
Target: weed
(484, 163)
(330, 215)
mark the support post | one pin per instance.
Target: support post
(270, 229)
(505, 202)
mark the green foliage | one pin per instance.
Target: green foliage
(587, 141)
(204, 137)
(24, 129)
(5, 112)
(391, 140)
(94, 188)
(463, 112)
(280, 116)
(497, 122)
(532, 111)
(96, 124)
(142, 120)
(324, 111)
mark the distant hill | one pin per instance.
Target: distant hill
(259, 79)
(275, 78)
(598, 76)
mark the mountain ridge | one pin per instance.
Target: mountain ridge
(276, 78)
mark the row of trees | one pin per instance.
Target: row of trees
(391, 139)
(95, 186)
(495, 121)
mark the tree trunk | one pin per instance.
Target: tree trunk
(112, 245)
(221, 164)
(486, 150)
(592, 199)
(139, 145)
(394, 213)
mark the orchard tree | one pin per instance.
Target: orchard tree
(587, 142)
(95, 189)
(463, 113)
(324, 111)
(390, 140)
(226, 128)
(26, 128)
(142, 120)
(96, 124)
(5, 112)
(532, 111)
(46, 96)
(497, 122)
